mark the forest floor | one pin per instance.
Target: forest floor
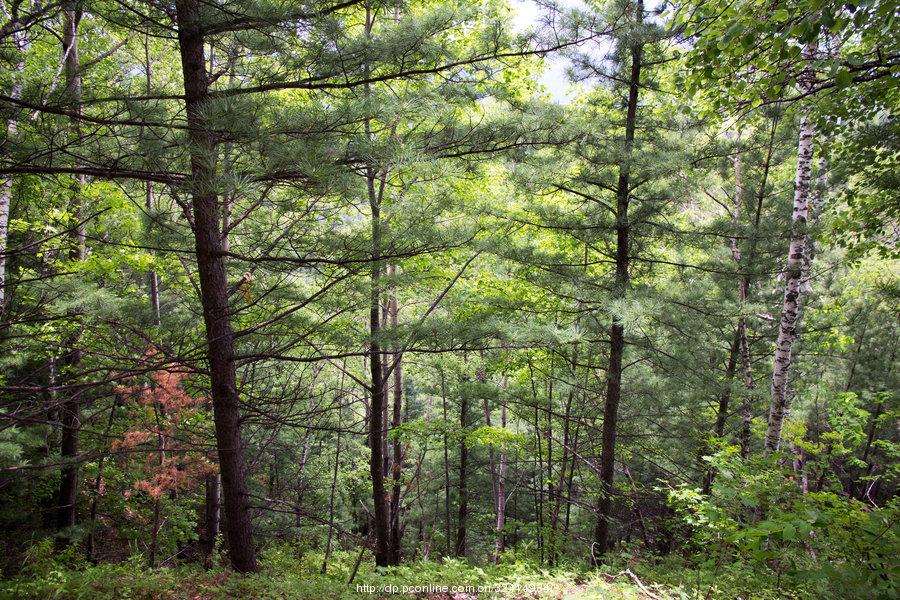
(176, 584)
(283, 575)
(287, 575)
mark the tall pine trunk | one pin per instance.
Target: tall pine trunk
(377, 405)
(617, 330)
(214, 291)
(70, 410)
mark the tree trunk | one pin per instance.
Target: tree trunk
(70, 410)
(331, 496)
(855, 359)
(495, 484)
(740, 334)
(20, 44)
(152, 277)
(377, 405)
(447, 524)
(570, 482)
(743, 292)
(617, 330)
(463, 478)
(334, 476)
(724, 401)
(209, 529)
(564, 461)
(492, 461)
(70, 421)
(500, 522)
(858, 487)
(161, 449)
(551, 489)
(301, 484)
(396, 530)
(787, 328)
(482, 379)
(214, 291)
(747, 406)
(98, 482)
(153, 290)
(538, 475)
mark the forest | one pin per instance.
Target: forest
(449, 299)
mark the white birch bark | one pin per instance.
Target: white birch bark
(787, 327)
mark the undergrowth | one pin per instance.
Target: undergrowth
(285, 574)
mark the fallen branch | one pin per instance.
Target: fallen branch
(637, 581)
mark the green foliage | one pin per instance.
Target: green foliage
(283, 575)
(815, 543)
